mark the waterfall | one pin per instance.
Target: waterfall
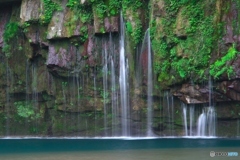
(34, 86)
(8, 73)
(78, 98)
(184, 106)
(105, 85)
(149, 86)
(238, 124)
(114, 97)
(191, 112)
(64, 85)
(123, 82)
(95, 98)
(201, 125)
(115, 87)
(211, 119)
(211, 116)
(206, 122)
(170, 111)
(28, 91)
(27, 80)
(144, 66)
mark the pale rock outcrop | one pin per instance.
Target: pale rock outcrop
(31, 10)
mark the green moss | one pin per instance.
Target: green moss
(134, 4)
(184, 53)
(105, 8)
(72, 3)
(114, 7)
(49, 8)
(221, 66)
(10, 32)
(24, 110)
(83, 12)
(131, 8)
(101, 9)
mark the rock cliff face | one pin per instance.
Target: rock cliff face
(60, 65)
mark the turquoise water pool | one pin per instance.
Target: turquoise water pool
(117, 149)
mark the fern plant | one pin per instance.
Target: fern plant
(221, 66)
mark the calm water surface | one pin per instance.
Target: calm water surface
(116, 149)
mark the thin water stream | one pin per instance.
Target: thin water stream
(123, 83)
(150, 85)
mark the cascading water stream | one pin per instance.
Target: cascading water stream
(34, 85)
(114, 97)
(201, 130)
(105, 85)
(150, 86)
(206, 122)
(211, 118)
(191, 112)
(170, 111)
(7, 98)
(184, 106)
(144, 66)
(123, 83)
(78, 98)
(113, 85)
(27, 78)
(238, 126)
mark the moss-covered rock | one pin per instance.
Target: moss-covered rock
(65, 24)
(60, 65)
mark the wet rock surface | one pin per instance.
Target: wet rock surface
(5, 13)
(56, 75)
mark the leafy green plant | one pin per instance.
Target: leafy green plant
(64, 84)
(106, 96)
(114, 7)
(10, 32)
(135, 4)
(72, 3)
(24, 110)
(49, 8)
(101, 9)
(137, 31)
(20, 48)
(221, 66)
(83, 13)
(129, 27)
(25, 26)
(187, 54)
(134, 26)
